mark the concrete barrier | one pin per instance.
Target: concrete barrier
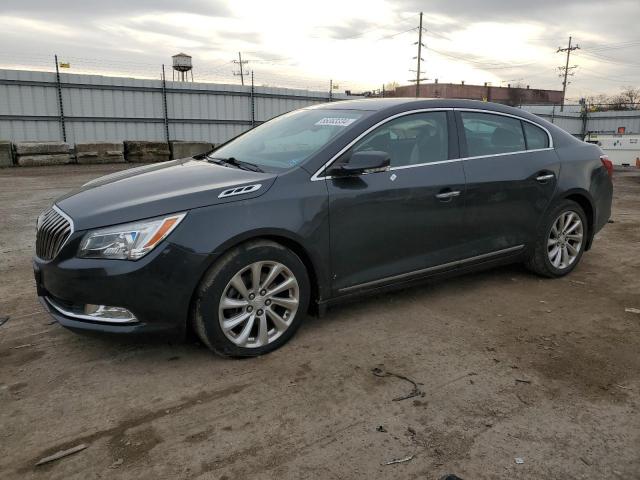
(183, 149)
(44, 160)
(32, 154)
(6, 154)
(42, 148)
(146, 152)
(100, 152)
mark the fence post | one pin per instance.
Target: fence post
(584, 114)
(60, 106)
(164, 106)
(253, 105)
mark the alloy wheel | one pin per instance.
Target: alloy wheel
(259, 304)
(565, 239)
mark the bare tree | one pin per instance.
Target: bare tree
(631, 96)
(627, 99)
(391, 86)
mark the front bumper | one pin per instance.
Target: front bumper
(157, 289)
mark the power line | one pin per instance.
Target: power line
(483, 65)
(604, 58)
(612, 46)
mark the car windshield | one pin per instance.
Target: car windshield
(287, 140)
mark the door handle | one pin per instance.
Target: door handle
(448, 195)
(545, 177)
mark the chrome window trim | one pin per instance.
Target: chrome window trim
(439, 162)
(81, 316)
(316, 176)
(435, 268)
(479, 110)
(508, 153)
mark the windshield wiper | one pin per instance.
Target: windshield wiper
(236, 163)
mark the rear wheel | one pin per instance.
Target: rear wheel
(252, 300)
(560, 244)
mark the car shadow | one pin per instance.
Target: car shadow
(422, 292)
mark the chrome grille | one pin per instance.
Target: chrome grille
(53, 231)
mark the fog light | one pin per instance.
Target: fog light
(105, 312)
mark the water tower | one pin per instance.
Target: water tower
(182, 65)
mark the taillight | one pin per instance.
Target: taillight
(607, 164)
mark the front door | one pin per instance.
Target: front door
(386, 226)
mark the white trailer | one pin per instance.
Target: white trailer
(622, 149)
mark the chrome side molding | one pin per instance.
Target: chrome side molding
(435, 268)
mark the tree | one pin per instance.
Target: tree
(391, 86)
(627, 99)
(630, 96)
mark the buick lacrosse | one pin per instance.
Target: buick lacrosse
(314, 207)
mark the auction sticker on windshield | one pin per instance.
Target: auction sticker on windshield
(336, 121)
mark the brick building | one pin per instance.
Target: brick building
(507, 95)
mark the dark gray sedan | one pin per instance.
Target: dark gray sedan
(314, 207)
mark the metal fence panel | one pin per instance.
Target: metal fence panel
(98, 108)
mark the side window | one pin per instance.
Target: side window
(489, 134)
(410, 140)
(536, 137)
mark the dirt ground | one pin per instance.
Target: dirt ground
(511, 366)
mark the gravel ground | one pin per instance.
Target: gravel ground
(510, 366)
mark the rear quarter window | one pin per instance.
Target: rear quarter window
(535, 136)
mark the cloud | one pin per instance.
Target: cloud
(105, 8)
(359, 40)
(348, 30)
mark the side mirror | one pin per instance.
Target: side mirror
(363, 162)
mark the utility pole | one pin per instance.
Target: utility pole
(164, 105)
(566, 70)
(419, 59)
(63, 128)
(253, 103)
(419, 53)
(241, 62)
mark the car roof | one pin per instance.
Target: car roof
(379, 104)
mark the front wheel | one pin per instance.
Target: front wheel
(560, 244)
(252, 300)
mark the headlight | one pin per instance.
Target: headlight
(129, 241)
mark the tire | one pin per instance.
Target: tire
(230, 322)
(540, 260)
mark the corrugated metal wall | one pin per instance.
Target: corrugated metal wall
(601, 122)
(114, 109)
(100, 108)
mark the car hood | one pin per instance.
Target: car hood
(158, 189)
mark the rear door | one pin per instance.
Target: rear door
(385, 226)
(511, 172)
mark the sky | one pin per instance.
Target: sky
(358, 44)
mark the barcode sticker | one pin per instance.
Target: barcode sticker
(336, 121)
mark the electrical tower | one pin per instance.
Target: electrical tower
(241, 63)
(566, 71)
(419, 59)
